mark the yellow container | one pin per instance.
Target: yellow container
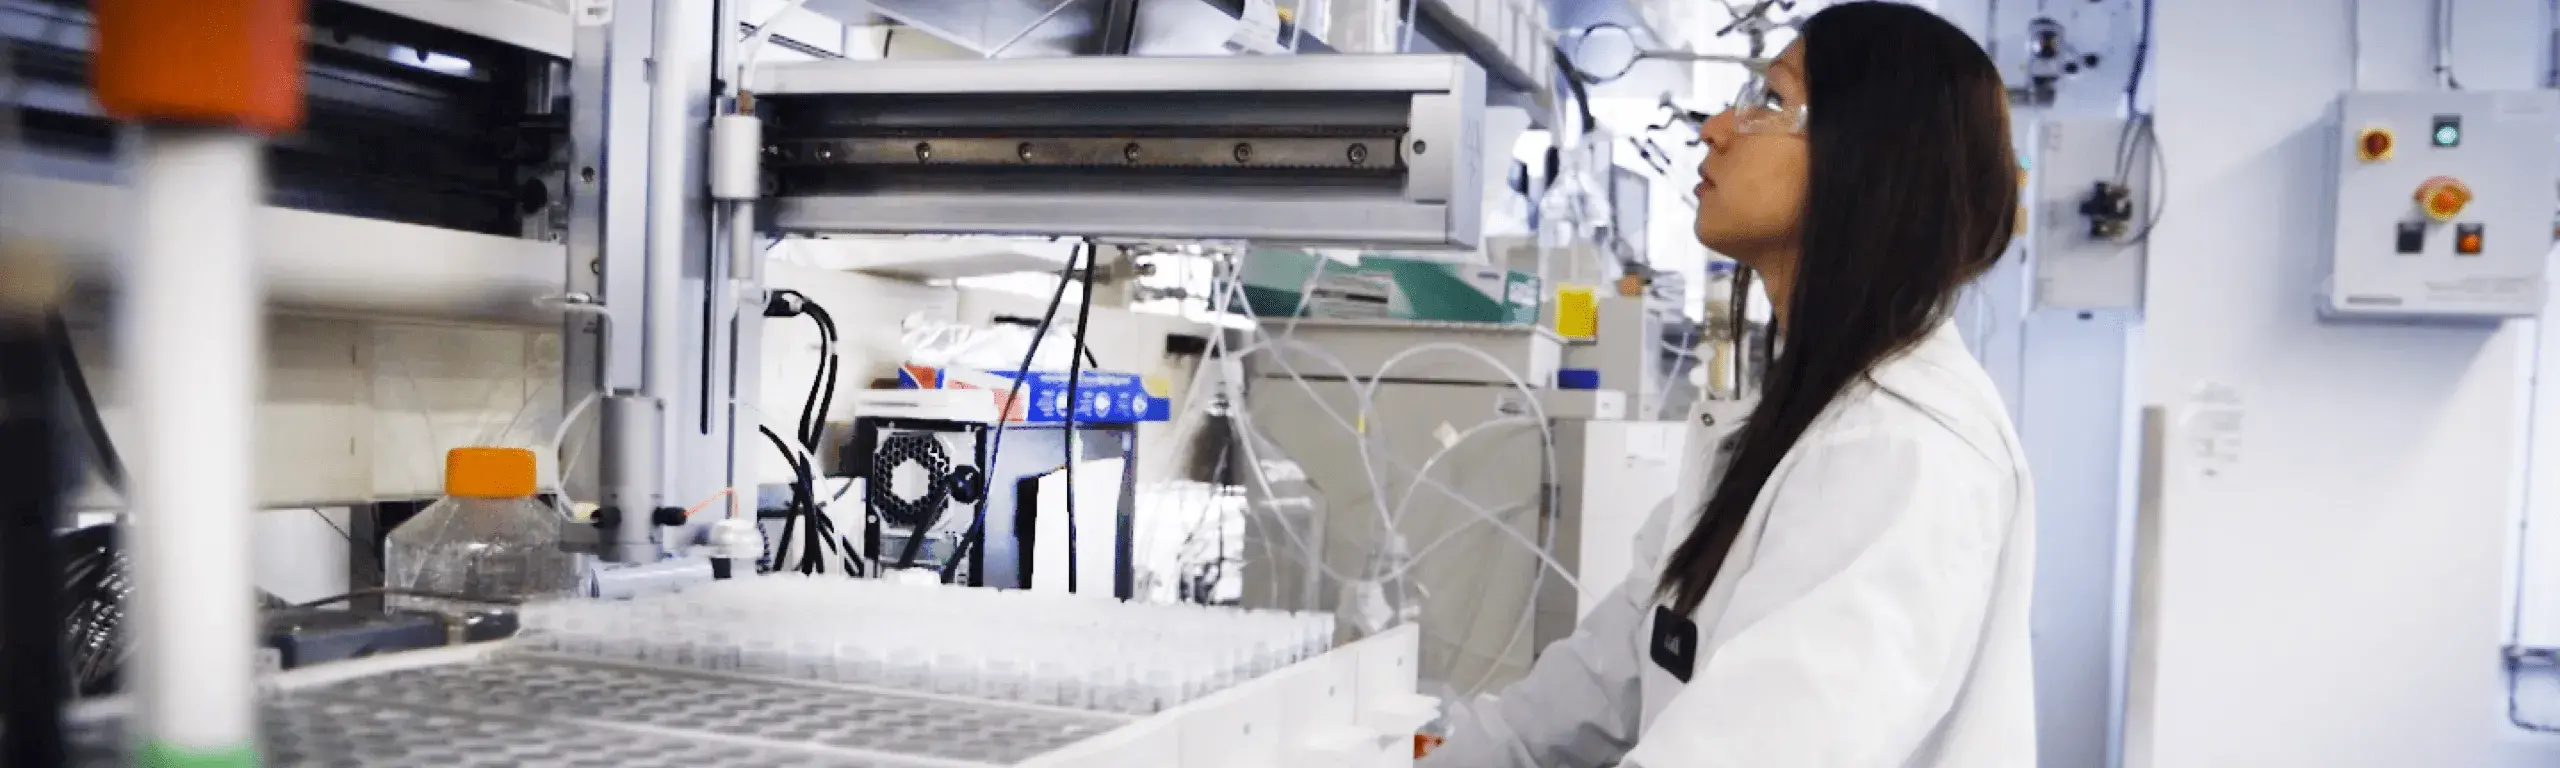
(1577, 312)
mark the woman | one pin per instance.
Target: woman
(1854, 590)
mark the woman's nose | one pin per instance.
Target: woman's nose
(1717, 131)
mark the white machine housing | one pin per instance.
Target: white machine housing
(2503, 148)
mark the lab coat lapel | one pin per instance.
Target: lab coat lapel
(1712, 425)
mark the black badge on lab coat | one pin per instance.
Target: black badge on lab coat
(1675, 643)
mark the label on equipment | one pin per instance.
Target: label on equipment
(1357, 295)
(591, 13)
(1257, 29)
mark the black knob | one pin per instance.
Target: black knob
(967, 485)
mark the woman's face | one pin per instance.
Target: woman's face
(1751, 187)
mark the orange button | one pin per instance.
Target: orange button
(2374, 144)
(2468, 239)
(2443, 197)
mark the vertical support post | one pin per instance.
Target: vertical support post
(663, 316)
(641, 239)
(35, 680)
(191, 345)
(607, 195)
(207, 80)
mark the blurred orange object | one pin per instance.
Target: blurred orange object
(1423, 743)
(224, 62)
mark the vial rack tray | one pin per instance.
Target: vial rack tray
(496, 705)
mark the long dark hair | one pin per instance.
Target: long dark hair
(1912, 194)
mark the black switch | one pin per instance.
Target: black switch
(2413, 237)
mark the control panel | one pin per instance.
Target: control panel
(2444, 204)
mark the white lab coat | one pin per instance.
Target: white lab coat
(1872, 613)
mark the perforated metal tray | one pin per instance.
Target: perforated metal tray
(533, 710)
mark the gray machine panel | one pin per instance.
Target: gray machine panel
(1413, 180)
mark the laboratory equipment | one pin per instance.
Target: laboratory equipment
(505, 704)
(489, 541)
(1453, 463)
(930, 488)
(1616, 472)
(509, 204)
(1279, 283)
(1078, 653)
(2443, 207)
(1607, 51)
(1346, 349)
(1355, 149)
(924, 484)
(301, 637)
(2091, 200)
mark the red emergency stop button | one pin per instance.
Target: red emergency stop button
(2374, 144)
(2443, 197)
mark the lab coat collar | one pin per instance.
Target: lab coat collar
(1939, 376)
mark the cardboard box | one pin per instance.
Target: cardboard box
(1103, 397)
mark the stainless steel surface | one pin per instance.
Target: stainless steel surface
(632, 426)
(1378, 153)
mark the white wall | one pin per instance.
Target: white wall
(2331, 595)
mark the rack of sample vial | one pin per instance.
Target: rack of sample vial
(1080, 653)
(1096, 683)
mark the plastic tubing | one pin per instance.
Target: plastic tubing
(755, 46)
(1366, 395)
(1367, 398)
(560, 437)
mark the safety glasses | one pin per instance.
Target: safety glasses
(1759, 109)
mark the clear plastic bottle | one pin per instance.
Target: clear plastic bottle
(489, 538)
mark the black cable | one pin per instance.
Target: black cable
(2159, 169)
(995, 448)
(102, 445)
(813, 411)
(818, 531)
(815, 430)
(810, 561)
(2141, 55)
(1075, 376)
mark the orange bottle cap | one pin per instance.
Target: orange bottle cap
(489, 473)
